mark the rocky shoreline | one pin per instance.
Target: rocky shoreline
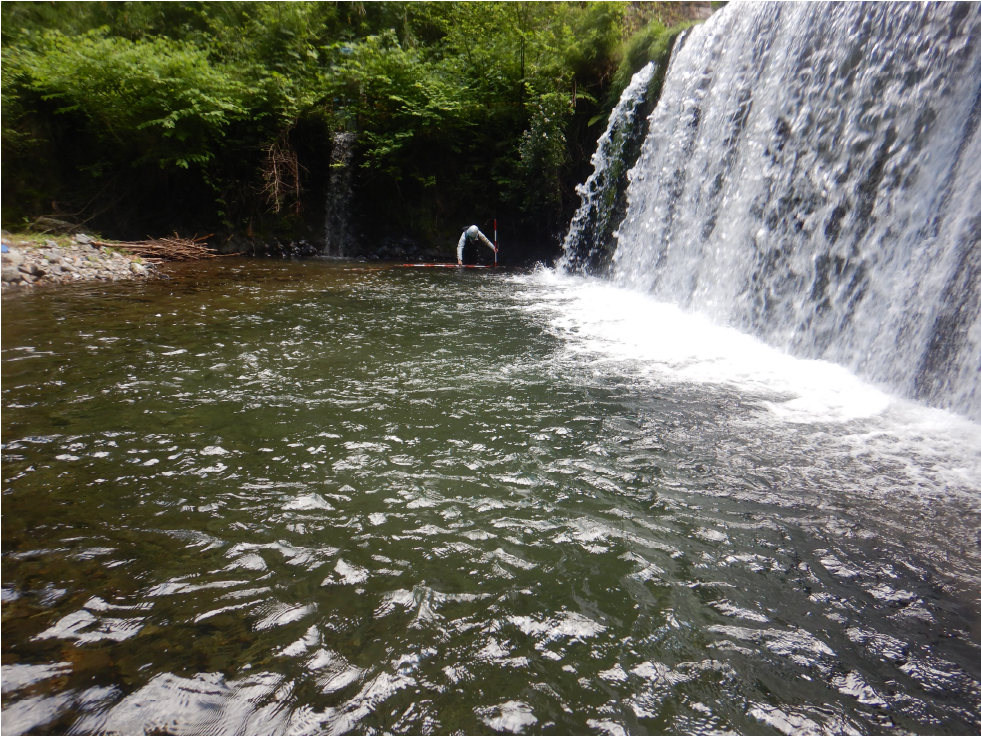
(64, 261)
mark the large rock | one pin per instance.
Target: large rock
(51, 225)
(13, 257)
(11, 274)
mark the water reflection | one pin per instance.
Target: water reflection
(294, 498)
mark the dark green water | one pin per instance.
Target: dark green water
(292, 498)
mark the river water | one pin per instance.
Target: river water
(316, 498)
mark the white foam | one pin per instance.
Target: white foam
(618, 332)
(605, 322)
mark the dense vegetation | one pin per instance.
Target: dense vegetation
(142, 118)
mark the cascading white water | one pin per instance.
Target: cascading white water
(589, 240)
(812, 175)
(338, 236)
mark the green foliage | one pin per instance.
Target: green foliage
(543, 154)
(398, 97)
(464, 110)
(153, 100)
(653, 42)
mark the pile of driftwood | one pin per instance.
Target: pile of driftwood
(168, 249)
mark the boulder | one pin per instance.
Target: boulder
(11, 274)
(51, 225)
(13, 257)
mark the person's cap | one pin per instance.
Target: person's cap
(473, 230)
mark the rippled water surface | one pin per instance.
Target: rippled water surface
(306, 498)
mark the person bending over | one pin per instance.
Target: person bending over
(471, 235)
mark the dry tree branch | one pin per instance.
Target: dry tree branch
(281, 173)
(169, 249)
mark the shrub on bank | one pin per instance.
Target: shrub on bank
(155, 117)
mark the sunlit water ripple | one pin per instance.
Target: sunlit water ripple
(301, 498)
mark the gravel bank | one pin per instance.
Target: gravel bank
(27, 264)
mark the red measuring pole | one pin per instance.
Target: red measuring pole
(495, 242)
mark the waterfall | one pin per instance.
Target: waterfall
(338, 235)
(812, 175)
(589, 244)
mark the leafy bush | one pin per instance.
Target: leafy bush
(153, 100)
(653, 42)
(464, 110)
(543, 154)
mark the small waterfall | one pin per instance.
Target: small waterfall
(590, 243)
(812, 175)
(338, 235)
